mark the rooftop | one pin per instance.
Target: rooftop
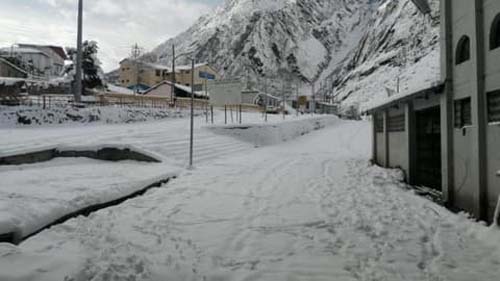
(435, 88)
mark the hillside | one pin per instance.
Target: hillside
(354, 48)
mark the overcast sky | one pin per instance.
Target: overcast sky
(115, 24)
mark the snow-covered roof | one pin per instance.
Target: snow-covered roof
(120, 90)
(189, 67)
(18, 50)
(435, 88)
(178, 86)
(160, 66)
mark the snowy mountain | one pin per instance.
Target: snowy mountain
(341, 44)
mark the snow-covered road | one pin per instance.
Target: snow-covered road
(310, 209)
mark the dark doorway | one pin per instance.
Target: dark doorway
(428, 151)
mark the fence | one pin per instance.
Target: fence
(121, 100)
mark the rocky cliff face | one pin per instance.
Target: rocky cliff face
(340, 44)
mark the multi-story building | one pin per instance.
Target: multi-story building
(447, 136)
(143, 75)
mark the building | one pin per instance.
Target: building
(143, 75)
(57, 57)
(164, 89)
(37, 60)
(9, 69)
(447, 136)
(233, 92)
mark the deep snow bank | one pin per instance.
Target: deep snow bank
(36, 116)
(274, 133)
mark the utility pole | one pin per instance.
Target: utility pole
(79, 55)
(191, 138)
(283, 97)
(135, 54)
(172, 94)
(266, 99)
(297, 97)
(313, 107)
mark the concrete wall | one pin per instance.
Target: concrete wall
(492, 83)
(398, 151)
(398, 145)
(380, 149)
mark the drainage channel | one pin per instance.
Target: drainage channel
(14, 238)
(104, 153)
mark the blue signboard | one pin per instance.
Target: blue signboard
(206, 75)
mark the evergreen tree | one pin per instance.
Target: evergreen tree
(91, 66)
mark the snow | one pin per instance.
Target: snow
(274, 133)
(59, 113)
(308, 209)
(50, 190)
(67, 187)
(120, 90)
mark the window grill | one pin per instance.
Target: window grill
(463, 114)
(379, 123)
(396, 123)
(494, 106)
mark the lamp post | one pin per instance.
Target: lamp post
(79, 55)
(172, 94)
(191, 136)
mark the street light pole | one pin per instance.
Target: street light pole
(172, 94)
(191, 139)
(79, 55)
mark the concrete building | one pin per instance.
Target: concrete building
(144, 75)
(57, 57)
(447, 136)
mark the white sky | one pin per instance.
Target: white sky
(115, 24)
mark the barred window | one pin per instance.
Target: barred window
(494, 106)
(396, 123)
(379, 123)
(463, 114)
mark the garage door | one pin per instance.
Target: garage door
(428, 156)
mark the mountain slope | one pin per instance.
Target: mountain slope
(264, 36)
(340, 44)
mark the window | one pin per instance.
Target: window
(158, 73)
(379, 123)
(495, 33)
(463, 116)
(494, 106)
(396, 123)
(463, 50)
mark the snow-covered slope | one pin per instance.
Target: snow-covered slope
(344, 45)
(265, 36)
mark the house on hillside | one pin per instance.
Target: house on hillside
(447, 136)
(134, 73)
